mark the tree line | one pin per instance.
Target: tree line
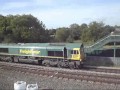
(87, 33)
(28, 29)
(22, 28)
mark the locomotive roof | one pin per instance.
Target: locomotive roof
(42, 45)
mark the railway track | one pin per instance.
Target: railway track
(102, 69)
(110, 78)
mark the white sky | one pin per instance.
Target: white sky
(62, 13)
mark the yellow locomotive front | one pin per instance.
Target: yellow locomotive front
(77, 56)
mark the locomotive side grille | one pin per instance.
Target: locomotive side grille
(4, 50)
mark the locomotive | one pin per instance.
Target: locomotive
(49, 54)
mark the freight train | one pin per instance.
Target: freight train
(49, 54)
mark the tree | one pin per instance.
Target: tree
(27, 28)
(62, 34)
(70, 39)
(83, 26)
(51, 33)
(22, 28)
(84, 32)
(2, 27)
(75, 31)
(95, 30)
(86, 35)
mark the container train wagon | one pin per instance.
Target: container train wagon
(56, 54)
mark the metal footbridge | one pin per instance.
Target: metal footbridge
(100, 43)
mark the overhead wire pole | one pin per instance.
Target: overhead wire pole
(114, 51)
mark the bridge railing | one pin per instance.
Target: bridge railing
(102, 42)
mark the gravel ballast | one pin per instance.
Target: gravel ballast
(8, 78)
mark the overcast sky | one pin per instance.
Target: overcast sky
(60, 13)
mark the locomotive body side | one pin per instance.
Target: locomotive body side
(45, 53)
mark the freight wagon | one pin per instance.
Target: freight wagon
(56, 54)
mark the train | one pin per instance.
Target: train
(48, 54)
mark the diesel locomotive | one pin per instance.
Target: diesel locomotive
(49, 54)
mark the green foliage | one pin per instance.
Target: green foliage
(62, 34)
(27, 28)
(70, 39)
(22, 28)
(95, 31)
(87, 33)
(75, 31)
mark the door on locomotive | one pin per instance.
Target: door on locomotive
(75, 54)
(65, 53)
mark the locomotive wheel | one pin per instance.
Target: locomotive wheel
(81, 66)
(11, 59)
(72, 65)
(47, 64)
(59, 64)
(16, 59)
(40, 62)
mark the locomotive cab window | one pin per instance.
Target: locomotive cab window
(74, 52)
